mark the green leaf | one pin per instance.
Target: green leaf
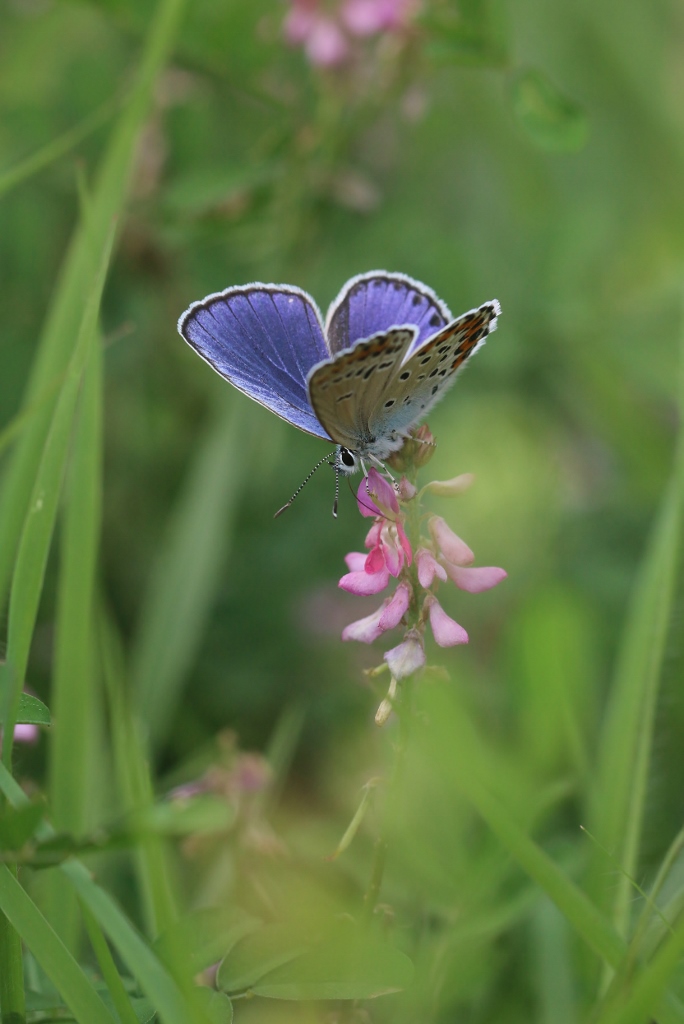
(550, 119)
(216, 1005)
(256, 955)
(208, 935)
(17, 825)
(349, 964)
(31, 711)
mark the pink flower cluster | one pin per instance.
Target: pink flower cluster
(440, 557)
(326, 34)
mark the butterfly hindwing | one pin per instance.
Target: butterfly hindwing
(371, 303)
(347, 390)
(429, 369)
(264, 339)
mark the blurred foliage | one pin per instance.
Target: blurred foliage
(529, 152)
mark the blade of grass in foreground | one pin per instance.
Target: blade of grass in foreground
(136, 790)
(619, 792)
(151, 974)
(651, 981)
(51, 953)
(27, 581)
(72, 696)
(66, 310)
(188, 570)
(451, 742)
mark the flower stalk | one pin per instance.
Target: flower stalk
(419, 563)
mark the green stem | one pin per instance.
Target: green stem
(12, 997)
(404, 710)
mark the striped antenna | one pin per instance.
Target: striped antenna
(326, 458)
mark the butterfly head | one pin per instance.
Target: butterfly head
(346, 461)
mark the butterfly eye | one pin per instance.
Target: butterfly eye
(347, 460)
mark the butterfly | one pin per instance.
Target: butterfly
(388, 350)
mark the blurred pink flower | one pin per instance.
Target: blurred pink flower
(324, 41)
(26, 733)
(370, 17)
(322, 32)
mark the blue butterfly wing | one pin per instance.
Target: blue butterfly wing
(375, 302)
(264, 339)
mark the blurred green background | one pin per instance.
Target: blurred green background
(530, 152)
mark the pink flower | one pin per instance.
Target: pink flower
(299, 22)
(408, 657)
(428, 567)
(452, 547)
(324, 42)
(389, 546)
(25, 733)
(376, 497)
(446, 632)
(369, 17)
(456, 555)
(475, 580)
(388, 615)
(361, 580)
(326, 45)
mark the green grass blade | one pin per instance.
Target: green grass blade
(451, 743)
(187, 572)
(463, 758)
(72, 685)
(120, 998)
(16, 425)
(644, 1001)
(151, 974)
(133, 781)
(36, 536)
(66, 310)
(619, 793)
(56, 148)
(133, 776)
(51, 953)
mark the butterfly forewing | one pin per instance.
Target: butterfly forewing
(346, 391)
(428, 369)
(375, 302)
(264, 339)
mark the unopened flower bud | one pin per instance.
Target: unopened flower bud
(450, 488)
(387, 705)
(416, 451)
(407, 491)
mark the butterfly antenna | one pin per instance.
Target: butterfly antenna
(326, 458)
(337, 489)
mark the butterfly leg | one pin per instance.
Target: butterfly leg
(385, 470)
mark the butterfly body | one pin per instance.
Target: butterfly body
(387, 352)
